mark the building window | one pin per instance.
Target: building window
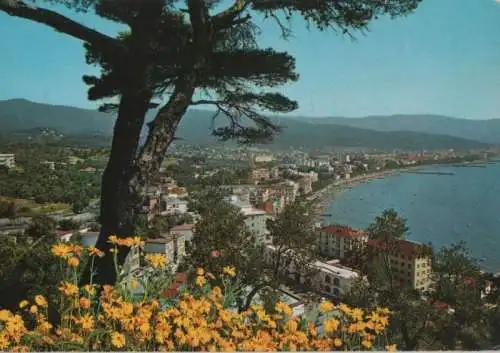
(328, 279)
(336, 282)
(336, 292)
(328, 289)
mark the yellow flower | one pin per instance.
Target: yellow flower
(5, 315)
(33, 309)
(23, 304)
(337, 342)
(93, 251)
(69, 289)
(367, 344)
(229, 270)
(282, 307)
(61, 250)
(118, 339)
(291, 325)
(200, 271)
(113, 239)
(326, 306)
(390, 348)
(330, 325)
(87, 322)
(73, 261)
(40, 301)
(344, 308)
(357, 314)
(200, 281)
(156, 260)
(4, 341)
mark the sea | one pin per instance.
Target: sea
(440, 209)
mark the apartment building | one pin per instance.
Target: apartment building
(8, 160)
(325, 278)
(410, 262)
(255, 219)
(305, 184)
(335, 240)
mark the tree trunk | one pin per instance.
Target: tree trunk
(127, 175)
(118, 211)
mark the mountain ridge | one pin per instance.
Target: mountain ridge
(21, 114)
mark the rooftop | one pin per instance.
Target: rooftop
(185, 226)
(336, 270)
(404, 247)
(343, 230)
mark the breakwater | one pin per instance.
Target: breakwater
(429, 173)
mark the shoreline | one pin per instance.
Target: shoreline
(322, 198)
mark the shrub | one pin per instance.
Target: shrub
(201, 318)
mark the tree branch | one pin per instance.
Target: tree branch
(60, 23)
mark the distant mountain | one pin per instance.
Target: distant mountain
(481, 130)
(22, 115)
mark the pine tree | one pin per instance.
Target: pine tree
(180, 50)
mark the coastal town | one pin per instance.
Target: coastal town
(260, 185)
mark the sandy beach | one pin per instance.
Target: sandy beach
(322, 198)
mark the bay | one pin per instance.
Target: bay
(441, 209)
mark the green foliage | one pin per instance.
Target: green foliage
(8, 209)
(35, 181)
(41, 226)
(27, 269)
(388, 226)
(221, 239)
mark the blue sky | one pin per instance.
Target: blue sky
(443, 59)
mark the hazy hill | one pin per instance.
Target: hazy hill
(22, 115)
(481, 130)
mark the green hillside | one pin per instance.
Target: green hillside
(19, 117)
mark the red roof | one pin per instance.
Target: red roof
(342, 230)
(182, 227)
(440, 305)
(403, 247)
(172, 291)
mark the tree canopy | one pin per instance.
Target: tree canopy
(185, 53)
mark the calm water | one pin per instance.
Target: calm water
(441, 209)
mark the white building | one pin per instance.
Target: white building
(186, 230)
(8, 160)
(293, 301)
(255, 219)
(172, 205)
(329, 278)
(336, 240)
(170, 245)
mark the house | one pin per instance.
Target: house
(186, 230)
(170, 245)
(335, 240)
(296, 303)
(173, 205)
(410, 262)
(172, 291)
(326, 278)
(8, 160)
